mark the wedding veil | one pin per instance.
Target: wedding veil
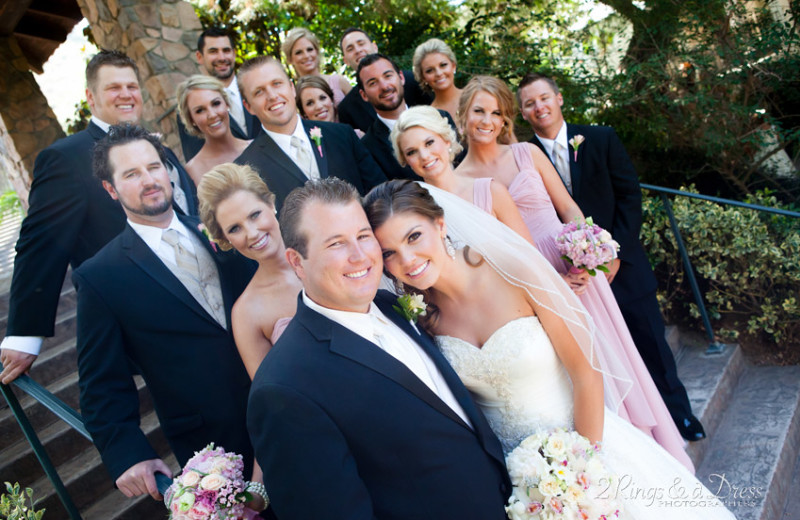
(522, 265)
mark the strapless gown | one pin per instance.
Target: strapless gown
(521, 386)
(278, 328)
(643, 405)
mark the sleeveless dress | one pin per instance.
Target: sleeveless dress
(643, 405)
(522, 387)
(278, 328)
(333, 82)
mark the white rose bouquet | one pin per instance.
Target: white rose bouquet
(559, 475)
(210, 487)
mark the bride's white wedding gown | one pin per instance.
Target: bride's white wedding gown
(520, 384)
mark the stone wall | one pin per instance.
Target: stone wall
(29, 121)
(161, 36)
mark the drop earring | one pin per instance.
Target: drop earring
(399, 287)
(449, 248)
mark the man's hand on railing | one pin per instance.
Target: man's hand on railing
(15, 363)
(140, 478)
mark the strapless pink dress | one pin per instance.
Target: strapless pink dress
(643, 406)
(278, 329)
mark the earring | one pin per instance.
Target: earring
(449, 248)
(399, 287)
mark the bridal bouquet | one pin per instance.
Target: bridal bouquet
(586, 245)
(210, 487)
(559, 475)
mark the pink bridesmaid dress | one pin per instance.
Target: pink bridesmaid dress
(643, 406)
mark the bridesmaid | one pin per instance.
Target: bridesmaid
(434, 69)
(315, 101)
(425, 141)
(301, 50)
(203, 107)
(238, 210)
(486, 117)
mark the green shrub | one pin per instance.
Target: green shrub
(747, 263)
(18, 505)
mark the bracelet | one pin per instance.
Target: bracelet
(258, 489)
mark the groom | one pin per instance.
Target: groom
(354, 414)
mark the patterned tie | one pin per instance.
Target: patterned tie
(178, 194)
(562, 165)
(183, 257)
(303, 157)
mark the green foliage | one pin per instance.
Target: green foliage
(81, 118)
(16, 504)
(747, 263)
(10, 204)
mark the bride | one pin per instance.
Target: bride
(520, 341)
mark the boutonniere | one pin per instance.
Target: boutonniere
(411, 307)
(316, 136)
(576, 142)
(204, 230)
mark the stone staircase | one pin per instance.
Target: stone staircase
(751, 458)
(77, 461)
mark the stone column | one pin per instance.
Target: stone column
(161, 36)
(29, 121)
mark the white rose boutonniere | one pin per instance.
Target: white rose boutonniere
(411, 307)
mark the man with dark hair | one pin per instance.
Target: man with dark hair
(156, 301)
(70, 216)
(381, 83)
(353, 401)
(216, 54)
(354, 110)
(292, 150)
(601, 178)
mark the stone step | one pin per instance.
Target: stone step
(66, 389)
(709, 381)
(116, 506)
(791, 510)
(85, 477)
(751, 457)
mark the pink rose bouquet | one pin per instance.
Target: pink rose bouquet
(586, 246)
(559, 475)
(210, 487)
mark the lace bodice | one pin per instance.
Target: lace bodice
(516, 379)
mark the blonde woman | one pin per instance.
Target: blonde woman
(302, 51)
(203, 107)
(435, 69)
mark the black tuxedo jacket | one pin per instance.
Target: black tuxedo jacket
(136, 317)
(331, 412)
(70, 218)
(343, 156)
(380, 147)
(190, 144)
(605, 186)
(356, 112)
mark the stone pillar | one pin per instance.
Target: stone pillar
(161, 36)
(29, 121)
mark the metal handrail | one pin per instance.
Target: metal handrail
(66, 414)
(714, 347)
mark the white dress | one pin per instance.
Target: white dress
(521, 386)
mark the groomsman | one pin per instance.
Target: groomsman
(156, 301)
(353, 402)
(354, 110)
(292, 150)
(70, 216)
(600, 177)
(216, 54)
(381, 84)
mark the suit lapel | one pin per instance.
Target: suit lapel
(141, 255)
(322, 159)
(575, 166)
(273, 153)
(236, 130)
(460, 392)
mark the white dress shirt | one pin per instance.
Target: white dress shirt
(561, 137)
(284, 142)
(236, 110)
(151, 236)
(376, 328)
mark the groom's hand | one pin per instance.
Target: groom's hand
(140, 478)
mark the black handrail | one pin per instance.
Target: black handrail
(714, 347)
